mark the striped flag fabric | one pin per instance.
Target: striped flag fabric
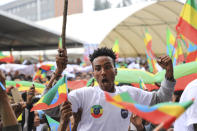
(142, 85)
(52, 123)
(178, 56)
(187, 24)
(47, 67)
(24, 86)
(148, 44)
(54, 97)
(7, 59)
(192, 52)
(149, 53)
(170, 43)
(116, 49)
(40, 74)
(151, 63)
(162, 112)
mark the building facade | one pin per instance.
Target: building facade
(74, 6)
(35, 10)
(42, 9)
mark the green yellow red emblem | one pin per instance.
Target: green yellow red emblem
(96, 111)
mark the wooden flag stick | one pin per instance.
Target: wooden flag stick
(63, 36)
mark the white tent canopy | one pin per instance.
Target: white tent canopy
(156, 18)
(127, 25)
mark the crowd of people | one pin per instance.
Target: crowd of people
(86, 108)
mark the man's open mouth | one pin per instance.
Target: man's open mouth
(104, 80)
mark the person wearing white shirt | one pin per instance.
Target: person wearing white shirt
(188, 120)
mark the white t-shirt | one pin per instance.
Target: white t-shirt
(99, 115)
(186, 120)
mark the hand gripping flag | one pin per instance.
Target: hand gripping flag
(162, 112)
(54, 97)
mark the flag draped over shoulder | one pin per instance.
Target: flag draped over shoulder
(116, 49)
(55, 96)
(52, 123)
(162, 112)
(187, 25)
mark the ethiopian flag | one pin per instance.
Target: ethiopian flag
(54, 97)
(178, 55)
(52, 123)
(148, 44)
(116, 49)
(187, 25)
(170, 43)
(7, 59)
(142, 85)
(162, 112)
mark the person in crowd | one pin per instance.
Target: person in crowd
(8, 118)
(188, 121)
(97, 114)
(27, 116)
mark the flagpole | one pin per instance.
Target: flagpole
(63, 36)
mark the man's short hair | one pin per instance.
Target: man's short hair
(103, 51)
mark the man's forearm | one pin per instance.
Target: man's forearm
(164, 93)
(6, 110)
(169, 74)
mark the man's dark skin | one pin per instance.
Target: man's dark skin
(104, 72)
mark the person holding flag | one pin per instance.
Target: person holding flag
(97, 114)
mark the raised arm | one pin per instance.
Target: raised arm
(167, 86)
(166, 63)
(61, 62)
